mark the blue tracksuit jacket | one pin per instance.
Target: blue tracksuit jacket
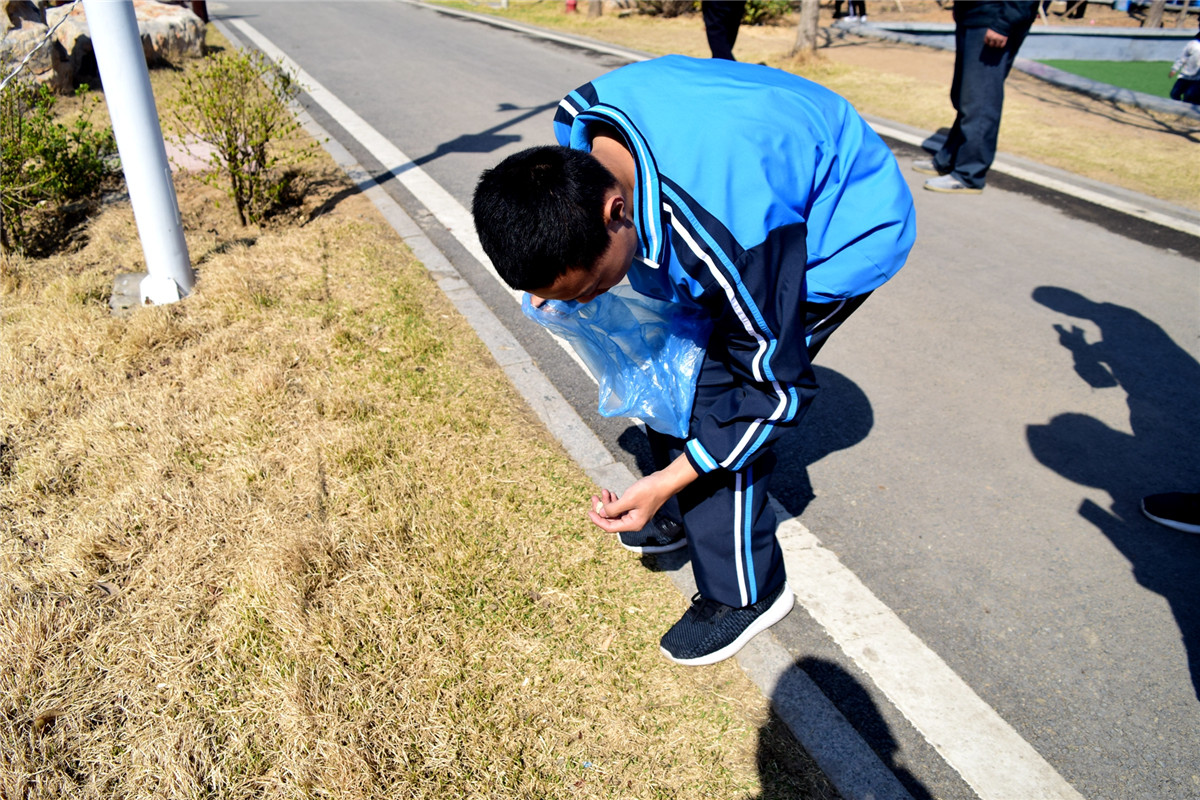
(757, 191)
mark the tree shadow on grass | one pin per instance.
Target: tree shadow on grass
(1162, 384)
(1146, 119)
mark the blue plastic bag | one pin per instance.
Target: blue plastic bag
(645, 353)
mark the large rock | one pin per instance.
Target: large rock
(72, 36)
(24, 29)
(169, 33)
(15, 13)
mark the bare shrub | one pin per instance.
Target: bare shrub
(239, 104)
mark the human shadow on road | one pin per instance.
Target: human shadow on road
(1162, 384)
(487, 141)
(858, 708)
(786, 771)
(840, 739)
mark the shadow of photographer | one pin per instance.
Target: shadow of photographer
(1162, 384)
(842, 740)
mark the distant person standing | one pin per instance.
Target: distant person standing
(987, 36)
(721, 22)
(856, 12)
(1187, 67)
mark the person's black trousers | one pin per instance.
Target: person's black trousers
(977, 94)
(1186, 90)
(721, 22)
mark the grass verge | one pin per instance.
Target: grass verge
(1150, 77)
(297, 536)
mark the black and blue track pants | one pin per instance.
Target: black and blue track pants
(729, 522)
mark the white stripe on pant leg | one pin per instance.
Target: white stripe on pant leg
(748, 538)
(739, 567)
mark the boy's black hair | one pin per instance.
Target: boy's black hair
(540, 212)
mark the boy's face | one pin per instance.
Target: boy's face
(583, 284)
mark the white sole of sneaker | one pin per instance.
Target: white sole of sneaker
(656, 548)
(963, 190)
(778, 610)
(1174, 524)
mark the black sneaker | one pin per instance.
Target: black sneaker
(710, 631)
(1178, 510)
(662, 535)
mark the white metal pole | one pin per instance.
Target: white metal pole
(122, 62)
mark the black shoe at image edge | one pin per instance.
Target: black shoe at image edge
(1177, 510)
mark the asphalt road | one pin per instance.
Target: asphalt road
(988, 423)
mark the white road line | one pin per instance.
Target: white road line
(973, 739)
(449, 213)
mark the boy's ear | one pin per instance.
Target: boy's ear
(614, 208)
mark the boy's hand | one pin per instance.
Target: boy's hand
(993, 39)
(642, 500)
(631, 512)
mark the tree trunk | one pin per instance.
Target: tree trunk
(595, 8)
(1181, 20)
(1154, 14)
(806, 31)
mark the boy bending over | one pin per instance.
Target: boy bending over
(754, 194)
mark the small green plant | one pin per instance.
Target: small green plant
(238, 103)
(45, 163)
(767, 12)
(667, 8)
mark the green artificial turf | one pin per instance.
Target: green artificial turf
(1140, 76)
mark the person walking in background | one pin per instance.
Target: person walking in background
(987, 36)
(1187, 67)
(721, 22)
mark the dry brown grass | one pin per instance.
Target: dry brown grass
(296, 536)
(1145, 151)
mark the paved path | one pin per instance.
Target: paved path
(994, 619)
